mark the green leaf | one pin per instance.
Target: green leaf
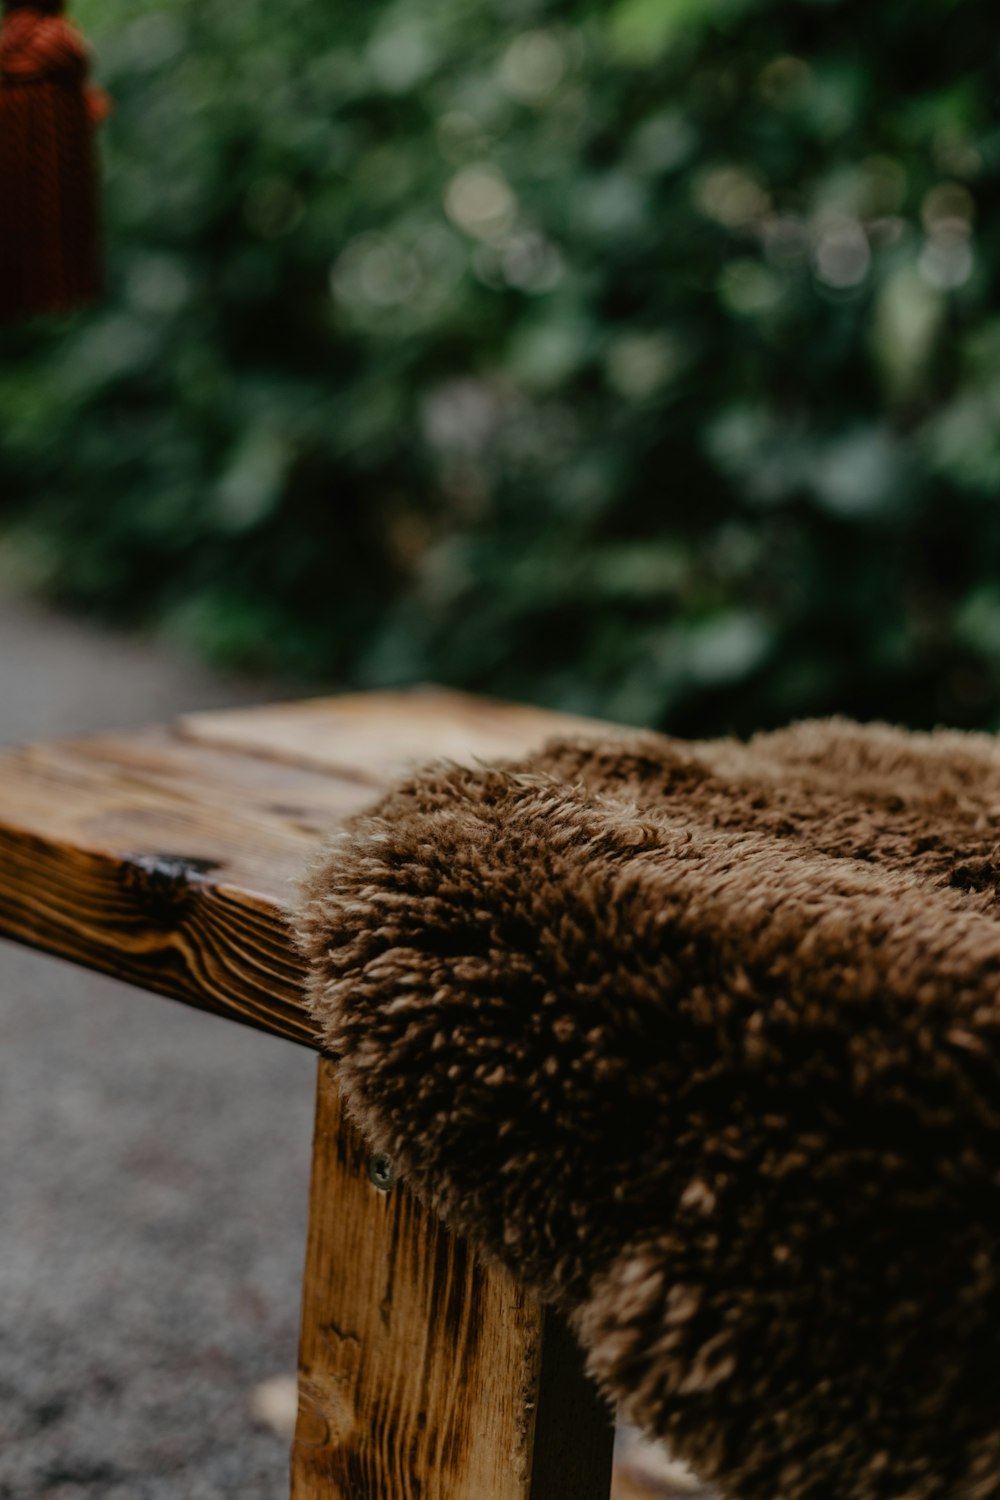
(643, 30)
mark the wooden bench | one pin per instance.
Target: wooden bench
(167, 858)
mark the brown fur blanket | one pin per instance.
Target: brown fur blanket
(703, 1041)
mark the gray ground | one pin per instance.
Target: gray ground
(153, 1173)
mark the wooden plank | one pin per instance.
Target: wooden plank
(574, 1434)
(376, 737)
(158, 794)
(157, 922)
(426, 1374)
(168, 858)
(166, 866)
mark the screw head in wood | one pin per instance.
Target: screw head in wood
(381, 1170)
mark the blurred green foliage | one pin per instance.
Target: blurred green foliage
(641, 359)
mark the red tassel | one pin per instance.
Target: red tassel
(49, 220)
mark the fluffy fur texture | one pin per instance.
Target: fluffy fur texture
(702, 1041)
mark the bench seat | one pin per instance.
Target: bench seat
(168, 859)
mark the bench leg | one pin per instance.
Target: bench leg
(423, 1373)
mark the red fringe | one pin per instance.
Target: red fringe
(49, 220)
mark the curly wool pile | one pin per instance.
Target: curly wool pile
(703, 1042)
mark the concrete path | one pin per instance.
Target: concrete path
(153, 1174)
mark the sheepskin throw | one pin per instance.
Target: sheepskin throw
(702, 1040)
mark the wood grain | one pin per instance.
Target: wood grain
(375, 737)
(169, 858)
(424, 1373)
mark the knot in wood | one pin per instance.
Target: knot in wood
(163, 883)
